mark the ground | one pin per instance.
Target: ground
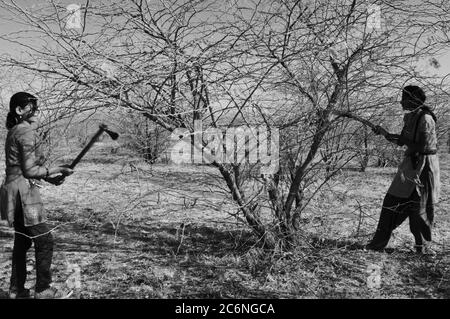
(124, 229)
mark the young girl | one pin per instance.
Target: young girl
(416, 186)
(20, 199)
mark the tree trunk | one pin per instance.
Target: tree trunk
(248, 209)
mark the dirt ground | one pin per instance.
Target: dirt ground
(124, 229)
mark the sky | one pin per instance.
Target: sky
(7, 26)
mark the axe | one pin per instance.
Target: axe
(355, 117)
(102, 128)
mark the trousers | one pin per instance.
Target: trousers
(395, 211)
(24, 237)
(418, 208)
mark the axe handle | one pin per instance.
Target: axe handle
(86, 148)
(355, 117)
(82, 153)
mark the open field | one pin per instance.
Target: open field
(322, 86)
(139, 231)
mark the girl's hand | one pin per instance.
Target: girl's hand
(66, 171)
(57, 180)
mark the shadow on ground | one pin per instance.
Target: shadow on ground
(162, 260)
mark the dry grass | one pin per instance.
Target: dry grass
(137, 231)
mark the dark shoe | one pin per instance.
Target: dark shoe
(52, 293)
(22, 294)
(424, 250)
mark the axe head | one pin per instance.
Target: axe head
(112, 134)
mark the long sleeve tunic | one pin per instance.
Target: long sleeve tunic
(24, 162)
(419, 127)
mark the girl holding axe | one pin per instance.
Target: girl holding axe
(20, 200)
(415, 188)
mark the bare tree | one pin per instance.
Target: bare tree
(295, 66)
